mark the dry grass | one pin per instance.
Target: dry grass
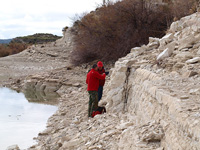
(12, 48)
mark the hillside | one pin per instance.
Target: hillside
(37, 38)
(5, 41)
(19, 44)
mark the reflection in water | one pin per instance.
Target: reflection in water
(20, 120)
(32, 95)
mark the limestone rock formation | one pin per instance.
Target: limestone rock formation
(157, 85)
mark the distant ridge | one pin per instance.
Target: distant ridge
(37, 38)
(5, 41)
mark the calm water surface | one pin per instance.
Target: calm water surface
(21, 120)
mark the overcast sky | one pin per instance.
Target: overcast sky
(25, 17)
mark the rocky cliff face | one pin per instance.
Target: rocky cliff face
(157, 87)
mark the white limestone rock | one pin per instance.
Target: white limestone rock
(153, 45)
(193, 60)
(188, 41)
(153, 39)
(184, 56)
(138, 50)
(167, 52)
(163, 55)
(194, 91)
(166, 39)
(13, 147)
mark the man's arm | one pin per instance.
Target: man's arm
(99, 76)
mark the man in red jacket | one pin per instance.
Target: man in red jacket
(92, 80)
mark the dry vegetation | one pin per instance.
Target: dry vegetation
(12, 48)
(19, 44)
(113, 29)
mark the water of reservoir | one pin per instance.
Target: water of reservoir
(21, 120)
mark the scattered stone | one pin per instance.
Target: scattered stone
(153, 39)
(60, 144)
(185, 49)
(18, 81)
(194, 60)
(194, 91)
(13, 147)
(137, 51)
(77, 85)
(43, 133)
(179, 65)
(189, 74)
(167, 52)
(69, 68)
(187, 42)
(53, 54)
(184, 97)
(153, 45)
(166, 39)
(72, 143)
(99, 147)
(160, 148)
(184, 56)
(32, 147)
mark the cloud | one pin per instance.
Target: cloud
(22, 17)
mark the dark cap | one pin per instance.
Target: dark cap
(94, 66)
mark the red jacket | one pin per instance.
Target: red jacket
(101, 82)
(93, 80)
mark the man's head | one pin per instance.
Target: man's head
(95, 67)
(100, 65)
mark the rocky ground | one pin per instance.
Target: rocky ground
(36, 59)
(152, 96)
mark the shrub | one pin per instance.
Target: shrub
(4, 50)
(113, 29)
(19, 44)
(12, 48)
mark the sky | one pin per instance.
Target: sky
(26, 17)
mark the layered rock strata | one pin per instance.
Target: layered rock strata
(161, 85)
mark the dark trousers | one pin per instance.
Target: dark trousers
(93, 102)
(100, 92)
